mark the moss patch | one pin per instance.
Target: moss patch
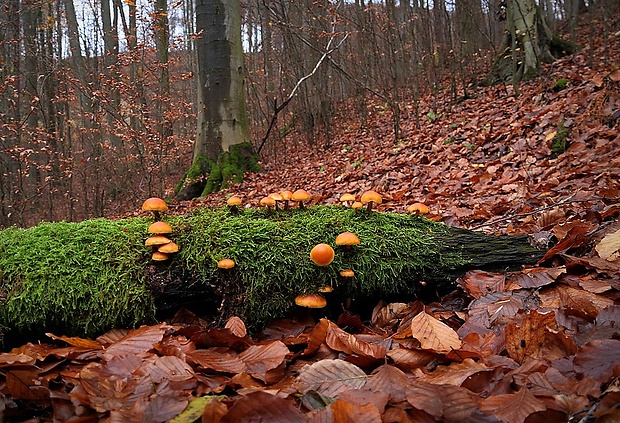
(74, 278)
(85, 278)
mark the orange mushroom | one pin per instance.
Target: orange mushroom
(155, 205)
(168, 248)
(300, 196)
(347, 199)
(322, 254)
(311, 301)
(159, 228)
(226, 263)
(418, 208)
(347, 239)
(159, 256)
(371, 197)
(156, 241)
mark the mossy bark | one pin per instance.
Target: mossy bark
(206, 176)
(527, 43)
(85, 278)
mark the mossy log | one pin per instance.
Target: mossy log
(84, 278)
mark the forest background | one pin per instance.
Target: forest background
(98, 99)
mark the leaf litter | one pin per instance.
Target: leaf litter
(540, 344)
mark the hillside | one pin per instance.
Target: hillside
(540, 344)
(489, 157)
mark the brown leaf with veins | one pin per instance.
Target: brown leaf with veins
(527, 339)
(479, 283)
(260, 359)
(433, 334)
(344, 411)
(137, 341)
(444, 402)
(260, 406)
(236, 326)
(339, 340)
(513, 408)
(330, 377)
(598, 359)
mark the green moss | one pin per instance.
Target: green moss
(560, 84)
(560, 141)
(231, 166)
(74, 278)
(272, 252)
(85, 278)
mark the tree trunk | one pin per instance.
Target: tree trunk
(527, 44)
(222, 120)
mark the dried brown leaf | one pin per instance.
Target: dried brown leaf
(444, 402)
(137, 341)
(260, 406)
(218, 359)
(344, 411)
(513, 408)
(339, 340)
(478, 283)
(433, 334)
(527, 339)
(598, 359)
(260, 359)
(330, 377)
(236, 326)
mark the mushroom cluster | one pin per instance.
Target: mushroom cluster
(160, 243)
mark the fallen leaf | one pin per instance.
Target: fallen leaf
(344, 411)
(527, 339)
(433, 334)
(444, 402)
(236, 326)
(513, 408)
(598, 359)
(330, 377)
(609, 247)
(260, 406)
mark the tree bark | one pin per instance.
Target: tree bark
(527, 44)
(222, 119)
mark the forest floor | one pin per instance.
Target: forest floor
(537, 345)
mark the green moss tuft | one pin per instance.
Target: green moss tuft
(74, 278)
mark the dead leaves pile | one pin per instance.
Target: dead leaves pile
(538, 345)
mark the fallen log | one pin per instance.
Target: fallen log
(85, 278)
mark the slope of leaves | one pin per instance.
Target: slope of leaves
(488, 158)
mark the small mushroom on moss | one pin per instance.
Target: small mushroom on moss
(159, 228)
(357, 205)
(347, 199)
(322, 254)
(277, 197)
(418, 208)
(226, 263)
(267, 202)
(156, 241)
(347, 239)
(168, 248)
(286, 197)
(371, 197)
(311, 301)
(233, 203)
(347, 273)
(156, 206)
(301, 196)
(159, 256)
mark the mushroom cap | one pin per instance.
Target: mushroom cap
(286, 195)
(267, 202)
(347, 238)
(311, 301)
(276, 196)
(156, 240)
(347, 273)
(233, 201)
(226, 263)
(347, 197)
(357, 205)
(419, 208)
(326, 289)
(322, 254)
(154, 204)
(300, 195)
(160, 228)
(371, 196)
(168, 248)
(159, 256)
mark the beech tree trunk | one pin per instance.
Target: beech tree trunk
(527, 44)
(222, 119)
